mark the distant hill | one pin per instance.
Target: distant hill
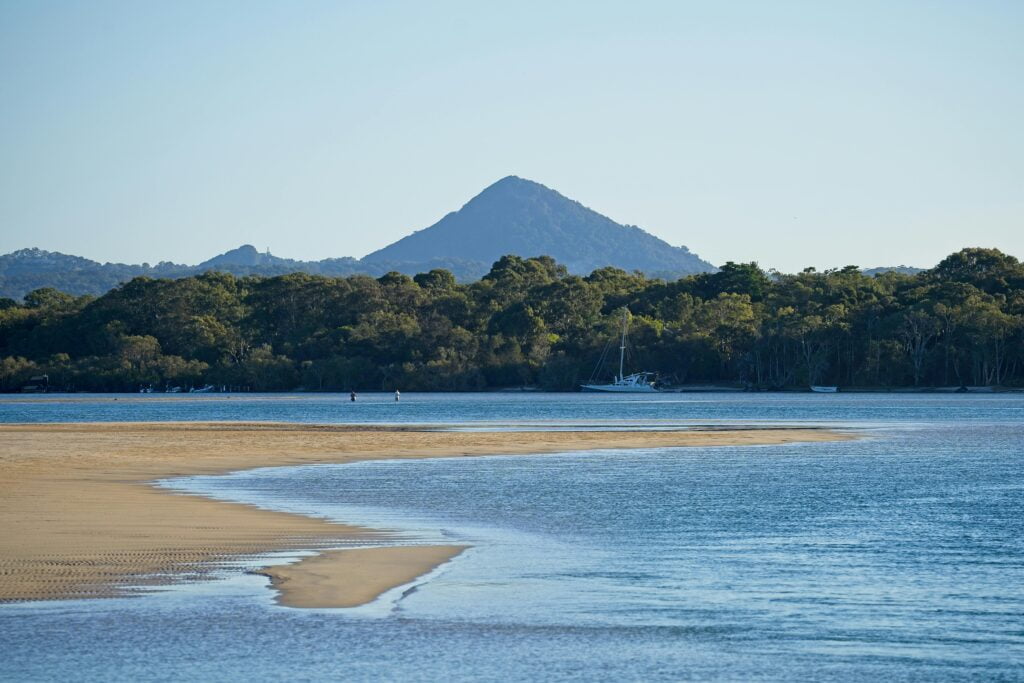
(902, 270)
(27, 269)
(518, 216)
(512, 216)
(246, 255)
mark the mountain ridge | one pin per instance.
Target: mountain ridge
(511, 216)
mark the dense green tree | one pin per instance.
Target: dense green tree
(527, 322)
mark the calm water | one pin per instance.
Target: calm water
(898, 556)
(523, 407)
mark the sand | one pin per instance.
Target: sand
(79, 517)
(353, 577)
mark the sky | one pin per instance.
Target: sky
(793, 134)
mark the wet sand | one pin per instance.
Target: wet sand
(353, 577)
(79, 517)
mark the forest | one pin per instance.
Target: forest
(527, 323)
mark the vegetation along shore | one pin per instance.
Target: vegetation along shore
(527, 323)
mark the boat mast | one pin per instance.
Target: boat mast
(622, 346)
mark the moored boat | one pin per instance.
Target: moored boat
(636, 383)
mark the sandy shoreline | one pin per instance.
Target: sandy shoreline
(79, 518)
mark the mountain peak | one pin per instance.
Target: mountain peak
(245, 255)
(512, 185)
(519, 216)
(513, 181)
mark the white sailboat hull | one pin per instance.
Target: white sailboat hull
(637, 383)
(621, 388)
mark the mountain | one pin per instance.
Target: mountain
(245, 255)
(902, 270)
(27, 269)
(512, 216)
(518, 216)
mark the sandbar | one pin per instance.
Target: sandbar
(80, 518)
(356, 576)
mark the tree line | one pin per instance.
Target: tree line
(527, 323)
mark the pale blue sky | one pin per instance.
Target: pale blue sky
(791, 133)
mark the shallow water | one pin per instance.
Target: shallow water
(898, 556)
(517, 408)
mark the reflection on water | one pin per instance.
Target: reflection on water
(897, 556)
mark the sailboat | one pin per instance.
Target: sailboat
(637, 383)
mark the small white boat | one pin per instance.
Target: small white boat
(637, 383)
(203, 390)
(824, 390)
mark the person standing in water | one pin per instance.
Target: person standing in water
(352, 396)
(398, 395)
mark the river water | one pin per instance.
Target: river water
(898, 556)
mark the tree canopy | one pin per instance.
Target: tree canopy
(527, 322)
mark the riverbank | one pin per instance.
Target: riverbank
(79, 517)
(371, 396)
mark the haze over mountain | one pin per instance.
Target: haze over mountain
(512, 216)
